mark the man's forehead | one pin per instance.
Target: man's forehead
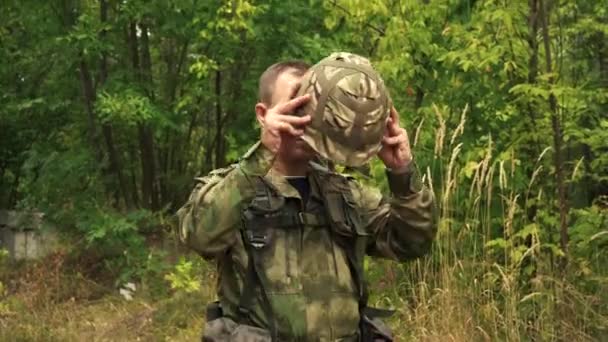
(289, 77)
(286, 84)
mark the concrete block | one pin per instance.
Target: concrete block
(23, 235)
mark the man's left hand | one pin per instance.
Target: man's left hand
(395, 153)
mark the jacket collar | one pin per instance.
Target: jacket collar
(285, 189)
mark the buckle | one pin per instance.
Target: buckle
(310, 219)
(302, 218)
(242, 310)
(372, 312)
(256, 241)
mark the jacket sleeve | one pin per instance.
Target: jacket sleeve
(209, 222)
(401, 226)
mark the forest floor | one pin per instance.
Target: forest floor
(59, 299)
(65, 297)
(110, 318)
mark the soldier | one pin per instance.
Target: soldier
(288, 234)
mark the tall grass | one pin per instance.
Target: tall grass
(493, 272)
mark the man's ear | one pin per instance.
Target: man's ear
(260, 113)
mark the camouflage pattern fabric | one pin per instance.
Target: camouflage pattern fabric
(226, 330)
(349, 106)
(309, 283)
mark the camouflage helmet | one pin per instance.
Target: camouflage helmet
(349, 106)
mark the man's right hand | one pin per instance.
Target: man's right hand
(278, 121)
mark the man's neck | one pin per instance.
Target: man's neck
(291, 168)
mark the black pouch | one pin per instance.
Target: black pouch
(372, 327)
(226, 330)
(374, 330)
(213, 311)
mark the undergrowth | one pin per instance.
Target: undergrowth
(63, 298)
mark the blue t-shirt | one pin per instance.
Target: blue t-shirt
(301, 184)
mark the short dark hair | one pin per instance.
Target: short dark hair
(269, 77)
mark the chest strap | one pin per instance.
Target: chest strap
(284, 220)
(334, 202)
(253, 241)
(254, 279)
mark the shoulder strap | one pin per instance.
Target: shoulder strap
(355, 254)
(338, 214)
(254, 240)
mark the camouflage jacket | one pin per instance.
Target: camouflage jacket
(308, 281)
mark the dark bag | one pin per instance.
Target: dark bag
(374, 330)
(372, 327)
(213, 311)
(223, 329)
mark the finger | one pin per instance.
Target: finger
(294, 120)
(287, 128)
(394, 115)
(289, 106)
(392, 129)
(392, 141)
(403, 132)
(400, 138)
(392, 125)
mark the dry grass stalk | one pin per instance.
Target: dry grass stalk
(502, 177)
(428, 181)
(532, 179)
(576, 167)
(449, 178)
(511, 208)
(460, 128)
(439, 132)
(417, 133)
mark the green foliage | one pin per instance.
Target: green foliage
(185, 277)
(126, 107)
(589, 233)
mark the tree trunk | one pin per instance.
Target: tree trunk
(558, 139)
(163, 166)
(146, 61)
(14, 193)
(531, 149)
(602, 54)
(532, 41)
(219, 133)
(145, 136)
(171, 141)
(533, 63)
(419, 98)
(133, 48)
(113, 156)
(146, 147)
(133, 170)
(88, 91)
(150, 180)
(208, 140)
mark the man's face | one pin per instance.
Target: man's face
(292, 149)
